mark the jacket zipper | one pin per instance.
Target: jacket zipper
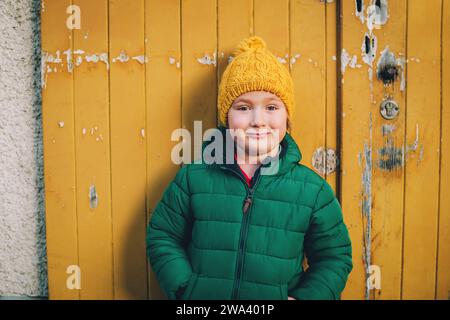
(243, 233)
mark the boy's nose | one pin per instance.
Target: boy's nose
(258, 117)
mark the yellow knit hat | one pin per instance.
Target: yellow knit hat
(254, 68)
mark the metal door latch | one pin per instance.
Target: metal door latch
(389, 109)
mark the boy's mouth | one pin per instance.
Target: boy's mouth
(257, 135)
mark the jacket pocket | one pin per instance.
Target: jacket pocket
(283, 292)
(190, 286)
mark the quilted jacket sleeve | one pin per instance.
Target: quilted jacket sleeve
(328, 250)
(167, 234)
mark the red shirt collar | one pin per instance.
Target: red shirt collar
(247, 178)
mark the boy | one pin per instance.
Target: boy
(230, 231)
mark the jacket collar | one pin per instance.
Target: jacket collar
(288, 156)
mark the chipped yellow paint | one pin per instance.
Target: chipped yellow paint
(59, 157)
(114, 91)
(387, 187)
(355, 114)
(128, 149)
(422, 177)
(235, 22)
(308, 38)
(199, 89)
(91, 109)
(163, 92)
(331, 89)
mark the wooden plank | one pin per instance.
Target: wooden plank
(199, 66)
(308, 68)
(422, 159)
(91, 102)
(355, 136)
(330, 86)
(235, 23)
(59, 149)
(271, 22)
(443, 276)
(163, 102)
(128, 147)
(388, 169)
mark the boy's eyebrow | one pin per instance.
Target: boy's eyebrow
(249, 101)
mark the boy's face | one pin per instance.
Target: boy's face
(262, 119)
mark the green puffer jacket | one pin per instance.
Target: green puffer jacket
(202, 245)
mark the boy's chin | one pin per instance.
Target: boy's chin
(257, 150)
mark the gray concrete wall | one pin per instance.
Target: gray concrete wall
(23, 264)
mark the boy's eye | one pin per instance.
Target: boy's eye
(242, 107)
(272, 107)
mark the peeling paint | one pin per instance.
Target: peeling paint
(325, 160)
(401, 63)
(369, 49)
(347, 61)
(83, 131)
(61, 124)
(387, 129)
(283, 60)
(377, 14)
(141, 59)
(173, 61)
(390, 157)
(68, 54)
(78, 61)
(122, 57)
(387, 68)
(92, 58)
(416, 145)
(93, 197)
(294, 58)
(104, 58)
(230, 58)
(316, 64)
(359, 10)
(207, 60)
(366, 205)
(44, 59)
(413, 147)
(143, 133)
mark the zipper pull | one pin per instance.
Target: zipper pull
(247, 203)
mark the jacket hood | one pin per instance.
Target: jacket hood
(288, 156)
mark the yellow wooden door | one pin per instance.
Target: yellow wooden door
(119, 76)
